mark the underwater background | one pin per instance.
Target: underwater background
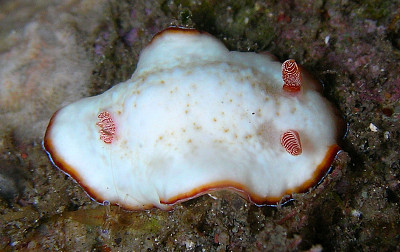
(55, 52)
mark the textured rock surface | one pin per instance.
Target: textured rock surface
(53, 52)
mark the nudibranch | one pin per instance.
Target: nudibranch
(193, 118)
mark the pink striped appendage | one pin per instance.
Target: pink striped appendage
(107, 125)
(291, 76)
(290, 140)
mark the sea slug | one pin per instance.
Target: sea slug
(197, 117)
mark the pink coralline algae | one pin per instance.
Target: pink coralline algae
(131, 36)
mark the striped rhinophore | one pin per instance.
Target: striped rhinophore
(291, 76)
(107, 125)
(290, 140)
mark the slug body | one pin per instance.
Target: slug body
(195, 117)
